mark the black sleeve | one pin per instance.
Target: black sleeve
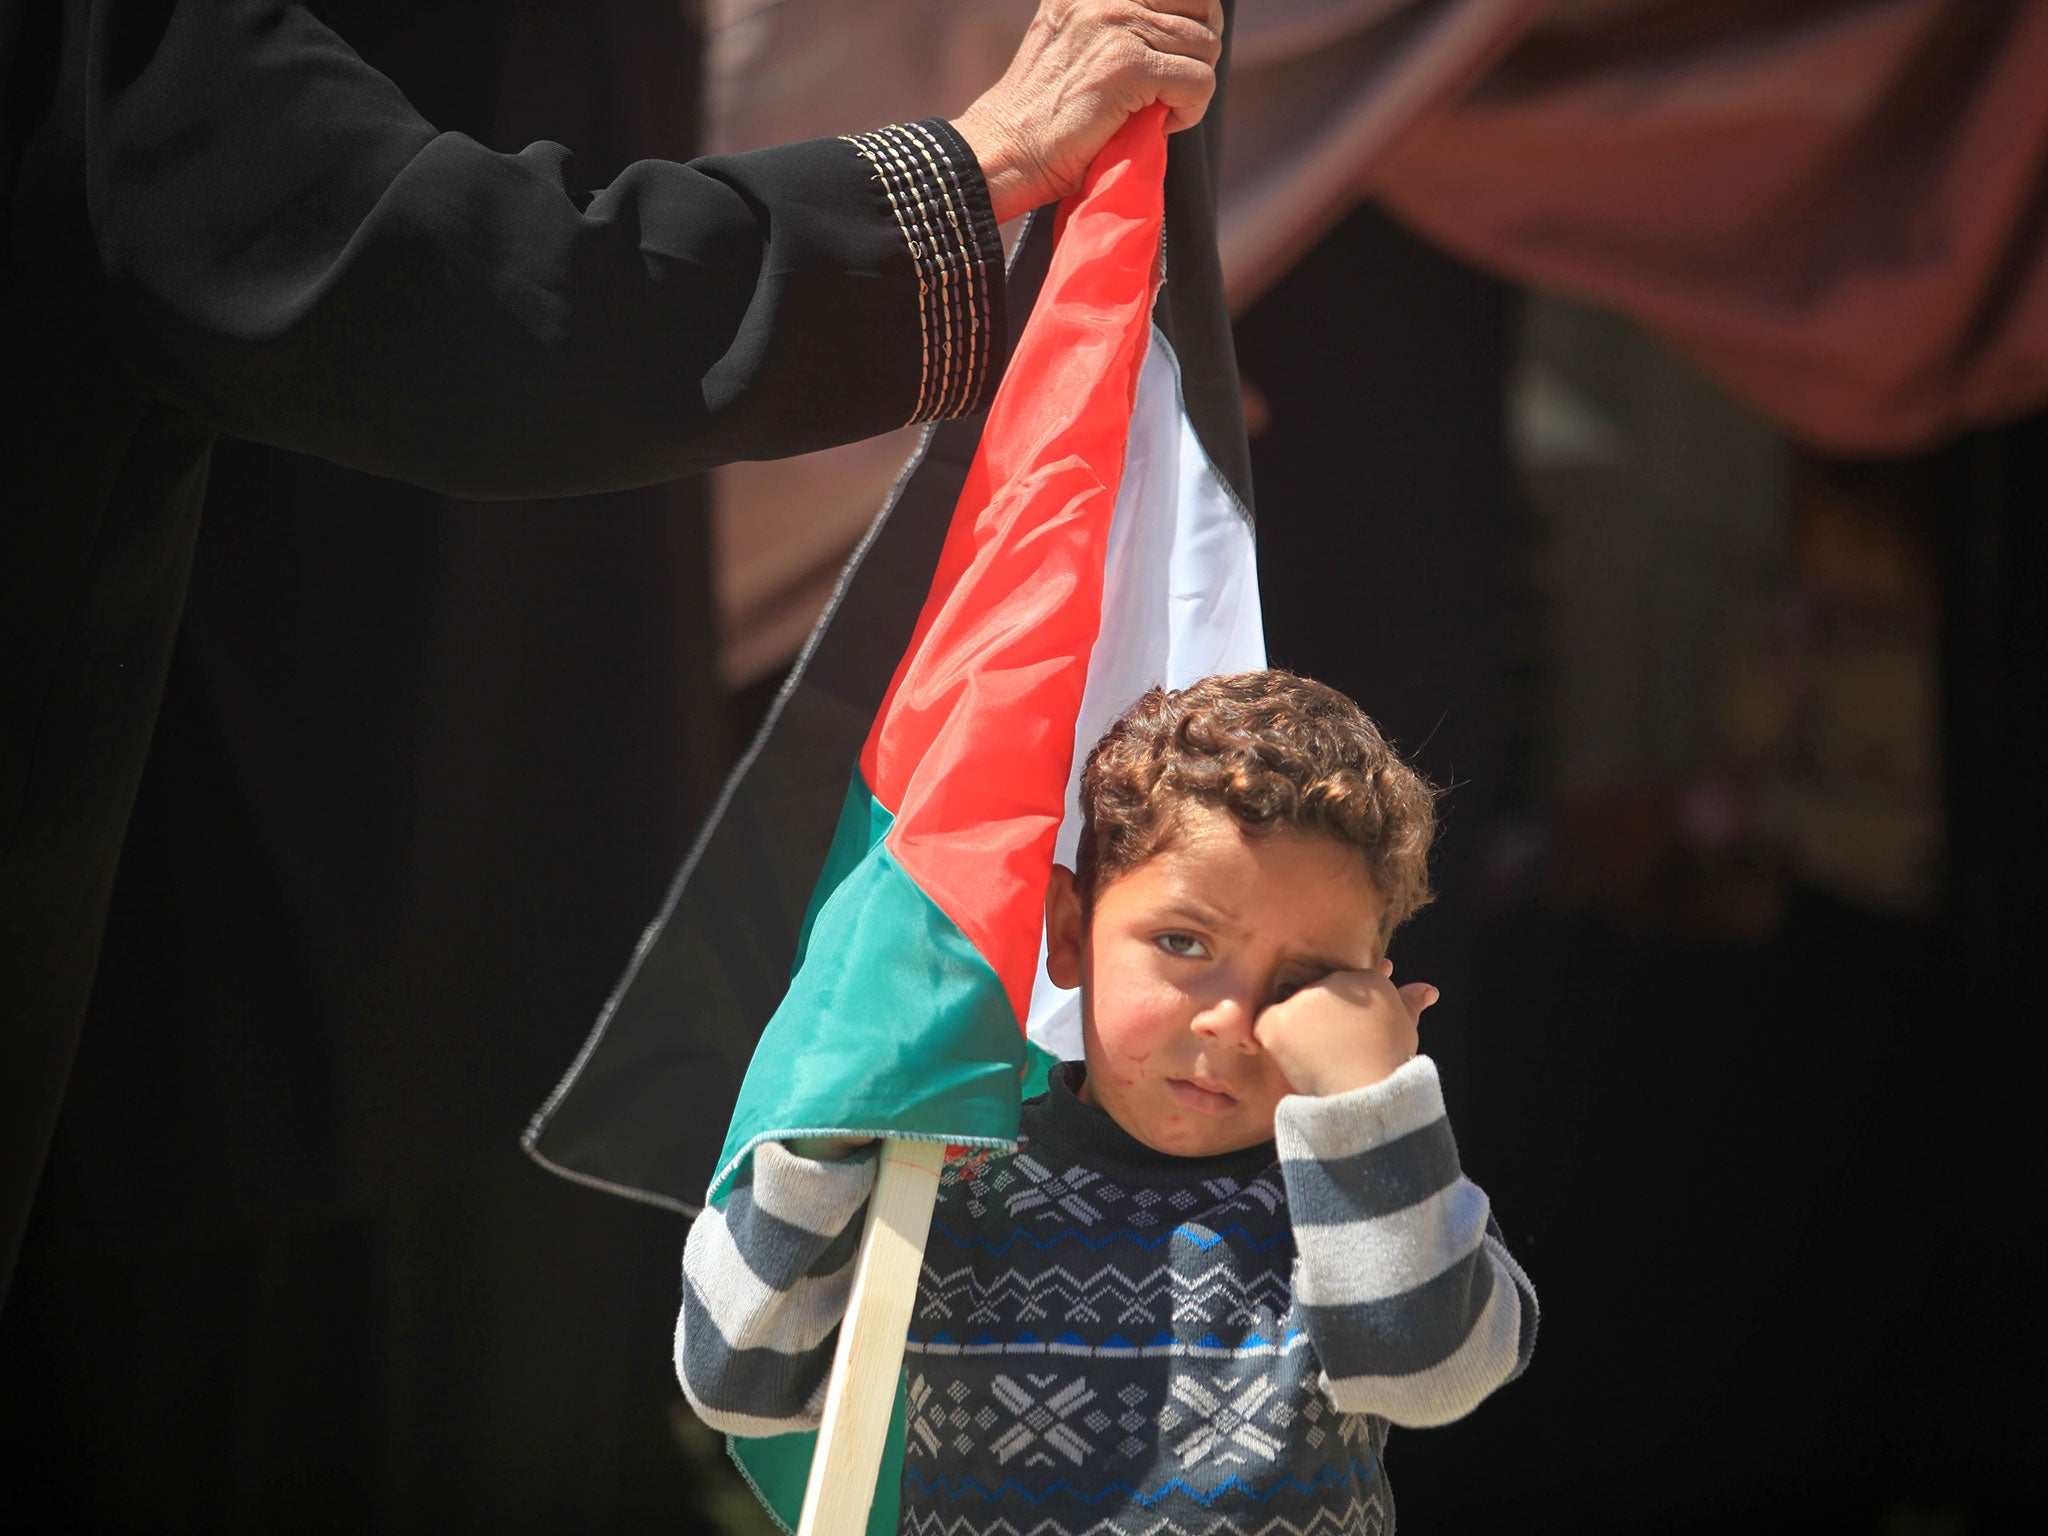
(298, 258)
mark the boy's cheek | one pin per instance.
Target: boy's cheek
(1134, 1024)
(1128, 1040)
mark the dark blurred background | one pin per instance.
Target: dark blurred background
(422, 773)
(1742, 864)
(1743, 859)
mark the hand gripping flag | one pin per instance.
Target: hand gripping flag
(1092, 540)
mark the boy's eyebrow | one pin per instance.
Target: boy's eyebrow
(1331, 964)
(1202, 913)
(1206, 916)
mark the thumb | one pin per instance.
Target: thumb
(1418, 995)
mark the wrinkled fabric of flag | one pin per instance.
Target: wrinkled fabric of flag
(1057, 599)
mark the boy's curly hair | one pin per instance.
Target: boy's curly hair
(1274, 749)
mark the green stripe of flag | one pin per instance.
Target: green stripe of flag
(894, 1025)
(777, 1468)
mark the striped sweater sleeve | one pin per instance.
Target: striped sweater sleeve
(1413, 1303)
(765, 1281)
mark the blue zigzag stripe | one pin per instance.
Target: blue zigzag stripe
(1071, 1342)
(1204, 1240)
(1327, 1477)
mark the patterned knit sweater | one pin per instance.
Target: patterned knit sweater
(1112, 1341)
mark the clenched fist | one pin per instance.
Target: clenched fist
(1348, 1030)
(1083, 67)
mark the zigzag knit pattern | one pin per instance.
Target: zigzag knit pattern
(1357, 1514)
(1102, 1346)
(1111, 1341)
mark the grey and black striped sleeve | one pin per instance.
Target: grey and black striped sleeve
(765, 1281)
(1414, 1305)
(935, 189)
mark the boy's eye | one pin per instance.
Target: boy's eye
(1185, 945)
(1285, 989)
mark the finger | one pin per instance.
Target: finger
(1178, 36)
(1418, 995)
(1185, 85)
(1208, 12)
(1385, 966)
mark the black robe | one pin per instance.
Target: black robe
(220, 220)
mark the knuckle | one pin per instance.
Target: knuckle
(1121, 47)
(1176, 34)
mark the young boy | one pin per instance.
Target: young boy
(1235, 1243)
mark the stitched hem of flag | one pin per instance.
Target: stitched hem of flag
(789, 1472)
(732, 1454)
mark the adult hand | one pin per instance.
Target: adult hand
(1348, 1030)
(1083, 67)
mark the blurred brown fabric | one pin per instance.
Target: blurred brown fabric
(1834, 207)
(1839, 210)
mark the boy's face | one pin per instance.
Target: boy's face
(1181, 956)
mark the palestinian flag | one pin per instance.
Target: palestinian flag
(1036, 571)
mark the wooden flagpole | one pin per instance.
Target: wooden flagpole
(869, 1359)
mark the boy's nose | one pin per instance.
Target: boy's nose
(1228, 1022)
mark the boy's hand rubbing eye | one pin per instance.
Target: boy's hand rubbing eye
(1347, 1030)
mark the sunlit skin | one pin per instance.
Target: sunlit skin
(1222, 974)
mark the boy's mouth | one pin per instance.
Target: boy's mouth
(1206, 1101)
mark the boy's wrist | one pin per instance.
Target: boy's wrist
(1341, 1124)
(1325, 1078)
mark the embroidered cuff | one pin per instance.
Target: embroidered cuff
(941, 204)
